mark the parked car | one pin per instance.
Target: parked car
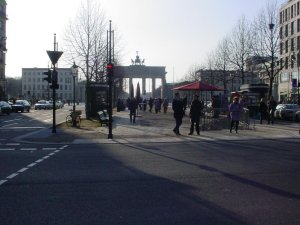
(5, 108)
(59, 104)
(297, 116)
(21, 106)
(42, 104)
(286, 111)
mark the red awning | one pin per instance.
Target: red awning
(198, 86)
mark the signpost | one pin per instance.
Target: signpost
(54, 57)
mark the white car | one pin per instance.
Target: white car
(42, 104)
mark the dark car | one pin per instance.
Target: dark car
(5, 108)
(21, 106)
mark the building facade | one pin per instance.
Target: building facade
(289, 56)
(34, 87)
(3, 49)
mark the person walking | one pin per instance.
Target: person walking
(262, 110)
(132, 106)
(195, 113)
(150, 102)
(178, 108)
(165, 105)
(271, 107)
(235, 110)
(157, 105)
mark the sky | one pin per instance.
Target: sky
(176, 34)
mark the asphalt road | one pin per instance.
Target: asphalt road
(216, 182)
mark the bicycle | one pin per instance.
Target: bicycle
(73, 119)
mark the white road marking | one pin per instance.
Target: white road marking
(40, 160)
(7, 149)
(31, 165)
(22, 170)
(11, 144)
(8, 125)
(28, 149)
(63, 147)
(2, 182)
(48, 149)
(12, 176)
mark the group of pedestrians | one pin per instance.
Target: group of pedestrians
(179, 107)
(267, 110)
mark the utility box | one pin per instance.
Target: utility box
(99, 98)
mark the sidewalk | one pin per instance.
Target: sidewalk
(151, 127)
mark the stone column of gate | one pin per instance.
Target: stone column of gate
(130, 84)
(153, 87)
(163, 88)
(143, 86)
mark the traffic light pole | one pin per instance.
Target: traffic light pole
(110, 82)
(54, 56)
(54, 108)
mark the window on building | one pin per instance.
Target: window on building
(286, 46)
(298, 8)
(286, 62)
(292, 28)
(292, 11)
(286, 30)
(280, 33)
(280, 18)
(292, 44)
(281, 48)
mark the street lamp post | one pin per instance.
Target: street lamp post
(271, 27)
(74, 69)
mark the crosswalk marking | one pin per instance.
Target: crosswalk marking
(28, 149)
(7, 149)
(12, 144)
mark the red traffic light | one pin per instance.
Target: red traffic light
(110, 68)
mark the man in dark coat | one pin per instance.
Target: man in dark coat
(178, 108)
(262, 110)
(132, 106)
(195, 113)
(271, 109)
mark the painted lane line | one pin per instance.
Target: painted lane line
(31, 165)
(53, 153)
(8, 121)
(7, 149)
(11, 144)
(7, 125)
(48, 149)
(22, 170)
(28, 149)
(63, 147)
(2, 182)
(57, 151)
(12, 176)
(39, 160)
(46, 157)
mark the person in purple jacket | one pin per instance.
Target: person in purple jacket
(235, 110)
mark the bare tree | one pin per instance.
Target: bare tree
(85, 42)
(266, 41)
(223, 62)
(240, 46)
(191, 74)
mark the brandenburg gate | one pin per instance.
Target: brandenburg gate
(138, 70)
